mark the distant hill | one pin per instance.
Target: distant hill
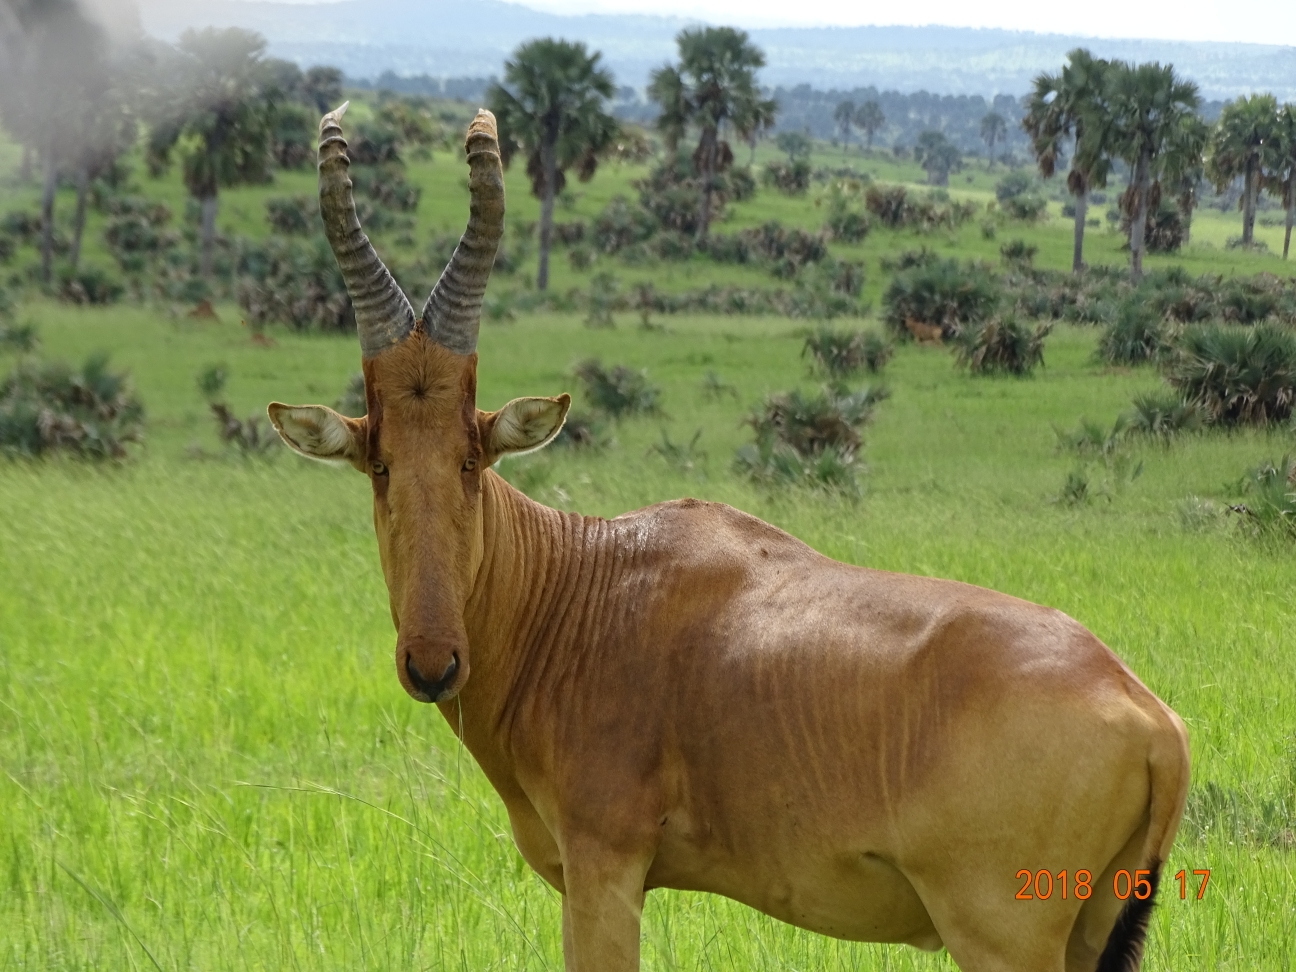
(455, 38)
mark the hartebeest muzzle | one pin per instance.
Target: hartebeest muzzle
(422, 676)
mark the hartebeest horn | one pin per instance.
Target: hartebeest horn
(383, 314)
(452, 314)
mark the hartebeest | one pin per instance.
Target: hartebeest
(687, 697)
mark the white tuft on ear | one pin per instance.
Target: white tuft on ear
(526, 424)
(317, 432)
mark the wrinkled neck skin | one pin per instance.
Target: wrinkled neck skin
(534, 570)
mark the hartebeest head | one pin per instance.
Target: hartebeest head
(424, 444)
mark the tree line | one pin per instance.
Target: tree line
(1094, 113)
(215, 105)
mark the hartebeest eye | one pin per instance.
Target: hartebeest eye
(378, 468)
(469, 464)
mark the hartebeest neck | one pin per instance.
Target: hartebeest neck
(530, 581)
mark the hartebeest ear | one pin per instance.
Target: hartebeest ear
(523, 425)
(320, 433)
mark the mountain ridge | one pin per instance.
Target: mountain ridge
(443, 38)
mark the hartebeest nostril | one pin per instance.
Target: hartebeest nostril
(433, 690)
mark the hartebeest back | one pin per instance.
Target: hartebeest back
(687, 697)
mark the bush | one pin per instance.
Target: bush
(842, 354)
(294, 282)
(294, 215)
(940, 293)
(1014, 184)
(847, 221)
(791, 177)
(620, 391)
(897, 208)
(1237, 376)
(20, 338)
(1162, 416)
(570, 234)
(134, 231)
(808, 440)
(622, 224)
(353, 401)
(252, 436)
(1018, 253)
(91, 414)
(581, 431)
(1002, 345)
(89, 285)
(1270, 489)
(604, 298)
(1026, 208)
(1138, 335)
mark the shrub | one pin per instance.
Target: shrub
(1137, 335)
(1014, 184)
(211, 380)
(134, 231)
(1018, 253)
(671, 245)
(622, 224)
(1162, 416)
(808, 440)
(1270, 489)
(353, 401)
(842, 354)
(252, 436)
(581, 431)
(1027, 207)
(811, 424)
(1237, 376)
(91, 413)
(940, 293)
(619, 391)
(1002, 345)
(681, 456)
(887, 203)
(296, 283)
(294, 215)
(790, 177)
(387, 187)
(604, 298)
(89, 285)
(570, 234)
(20, 338)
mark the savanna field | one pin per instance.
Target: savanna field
(208, 762)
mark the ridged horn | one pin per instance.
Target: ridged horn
(383, 314)
(452, 314)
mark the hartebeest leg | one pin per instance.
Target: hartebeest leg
(602, 905)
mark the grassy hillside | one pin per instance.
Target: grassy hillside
(209, 764)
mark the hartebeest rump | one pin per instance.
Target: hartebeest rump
(686, 697)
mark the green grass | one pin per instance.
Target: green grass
(207, 758)
(206, 753)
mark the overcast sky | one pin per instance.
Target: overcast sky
(1257, 21)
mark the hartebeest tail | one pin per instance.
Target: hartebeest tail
(1168, 771)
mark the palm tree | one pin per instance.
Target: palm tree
(218, 117)
(713, 86)
(869, 119)
(1143, 108)
(1185, 167)
(844, 115)
(1239, 148)
(938, 156)
(993, 129)
(551, 106)
(1282, 172)
(1055, 111)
